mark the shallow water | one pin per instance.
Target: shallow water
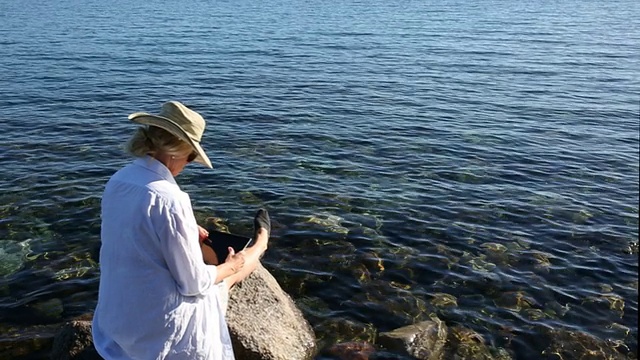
(405, 150)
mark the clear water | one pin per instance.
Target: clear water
(486, 150)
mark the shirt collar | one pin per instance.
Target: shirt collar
(155, 166)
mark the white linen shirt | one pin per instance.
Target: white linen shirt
(157, 297)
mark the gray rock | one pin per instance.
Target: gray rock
(74, 342)
(424, 340)
(265, 323)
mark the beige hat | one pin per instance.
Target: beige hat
(179, 120)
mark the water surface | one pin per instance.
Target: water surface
(485, 150)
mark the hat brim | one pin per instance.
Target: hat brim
(175, 129)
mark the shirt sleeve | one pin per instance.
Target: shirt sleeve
(178, 235)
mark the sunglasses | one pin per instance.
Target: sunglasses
(192, 156)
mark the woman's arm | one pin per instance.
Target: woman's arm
(238, 266)
(178, 235)
(252, 258)
(231, 265)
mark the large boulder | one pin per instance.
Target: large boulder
(265, 323)
(424, 340)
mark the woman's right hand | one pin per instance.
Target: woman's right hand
(236, 261)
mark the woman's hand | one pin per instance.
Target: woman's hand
(235, 261)
(232, 265)
(203, 234)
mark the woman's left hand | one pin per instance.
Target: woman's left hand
(203, 234)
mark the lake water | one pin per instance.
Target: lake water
(411, 153)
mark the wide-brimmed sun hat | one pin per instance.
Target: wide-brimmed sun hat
(181, 121)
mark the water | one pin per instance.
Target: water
(485, 150)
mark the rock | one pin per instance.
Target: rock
(49, 310)
(424, 340)
(31, 342)
(13, 255)
(265, 323)
(74, 342)
(466, 344)
(263, 320)
(352, 350)
(569, 344)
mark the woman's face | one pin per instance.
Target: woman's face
(182, 161)
(176, 163)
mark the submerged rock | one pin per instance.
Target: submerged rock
(433, 340)
(32, 342)
(444, 299)
(330, 222)
(50, 310)
(465, 343)
(352, 350)
(515, 300)
(13, 255)
(339, 330)
(568, 344)
(424, 340)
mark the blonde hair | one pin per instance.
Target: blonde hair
(151, 140)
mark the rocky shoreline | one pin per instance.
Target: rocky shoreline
(265, 324)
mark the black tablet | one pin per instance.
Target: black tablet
(220, 243)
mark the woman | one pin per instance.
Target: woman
(157, 298)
